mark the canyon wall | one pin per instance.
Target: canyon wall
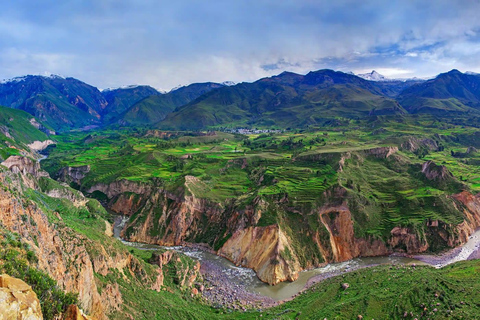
(276, 251)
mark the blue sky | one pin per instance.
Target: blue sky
(109, 43)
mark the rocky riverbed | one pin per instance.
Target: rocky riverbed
(223, 289)
(468, 251)
(232, 287)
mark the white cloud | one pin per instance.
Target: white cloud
(112, 43)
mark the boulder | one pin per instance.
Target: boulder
(74, 313)
(18, 300)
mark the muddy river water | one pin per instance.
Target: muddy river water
(247, 278)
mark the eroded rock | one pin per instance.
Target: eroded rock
(18, 300)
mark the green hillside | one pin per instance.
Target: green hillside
(121, 99)
(17, 129)
(62, 103)
(451, 92)
(156, 107)
(286, 100)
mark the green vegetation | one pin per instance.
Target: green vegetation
(293, 173)
(390, 293)
(16, 131)
(155, 107)
(18, 260)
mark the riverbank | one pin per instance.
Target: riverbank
(237, 288)
(468, 251)
(223, 292)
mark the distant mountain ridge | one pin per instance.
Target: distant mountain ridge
(287, 99)
(121, 99)
(284, 100)
(155, 108)
(60, 102)
(449, 92)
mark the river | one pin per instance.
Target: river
(247, 278)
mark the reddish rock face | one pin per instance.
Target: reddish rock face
(262, 249)
(74, 313)
(345, 246)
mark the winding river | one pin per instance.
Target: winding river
(248, 279)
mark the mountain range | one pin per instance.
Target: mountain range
(285, 100)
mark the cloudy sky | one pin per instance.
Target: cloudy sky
(110, 43)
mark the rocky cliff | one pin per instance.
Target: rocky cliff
(18, 300)
(69, 257)
(24, 165)
(73, 174)
(297, 237)
(61, 252)
(264, 249)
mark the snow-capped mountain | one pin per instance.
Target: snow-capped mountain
(373, 76)
(22, 78)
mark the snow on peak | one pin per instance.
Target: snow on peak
(131, 86)
(228, 83)
(471, 73)
(53, 76)
(373, 76)
(16, 79)
(22, 78)
(177, 87)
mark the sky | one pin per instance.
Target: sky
(112, 43)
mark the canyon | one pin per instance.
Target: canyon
(169, 218)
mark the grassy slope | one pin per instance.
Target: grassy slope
(16, 124)
(119, 100)
(155, 108)
(382, 193)
(448, 93)
(283, 101)
(391, 293)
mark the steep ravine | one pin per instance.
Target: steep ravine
(279, 237)
(163, 218)
(71, 258)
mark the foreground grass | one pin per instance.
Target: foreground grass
(397, 292)
(391, 293)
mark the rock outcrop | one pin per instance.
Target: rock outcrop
(73, 174)
(118, 187)
(435, 172)
(18, 300)
(413, 144)
(338, 221)
(265, 250)
(74, 313)
(382, 152)
(40, 145)
(24, 165)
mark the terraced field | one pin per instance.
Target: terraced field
(301, 166)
